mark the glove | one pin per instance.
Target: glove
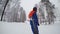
(38, 25)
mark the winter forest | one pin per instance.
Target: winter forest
(11, 11)
(14, 15)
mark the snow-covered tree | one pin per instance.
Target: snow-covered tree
(11, 11)
(45, 8)
(3, 4)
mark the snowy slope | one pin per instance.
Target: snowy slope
(24, 28)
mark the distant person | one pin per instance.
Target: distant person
(34, 21)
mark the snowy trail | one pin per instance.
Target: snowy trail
(24, 28)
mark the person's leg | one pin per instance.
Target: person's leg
(32, 26)
(36, 30)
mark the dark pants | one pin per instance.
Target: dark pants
(34, 27)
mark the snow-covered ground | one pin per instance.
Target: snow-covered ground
(24, 28)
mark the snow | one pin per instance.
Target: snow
(24, 28)
(50, 29)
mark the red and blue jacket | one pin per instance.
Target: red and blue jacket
(33, 15)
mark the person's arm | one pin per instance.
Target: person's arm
(30, 15)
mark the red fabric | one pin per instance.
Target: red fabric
(31, 13)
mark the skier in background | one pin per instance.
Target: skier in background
(34, 21)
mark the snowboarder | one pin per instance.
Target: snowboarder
(34, 21)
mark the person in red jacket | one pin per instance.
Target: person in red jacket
(34, 21)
